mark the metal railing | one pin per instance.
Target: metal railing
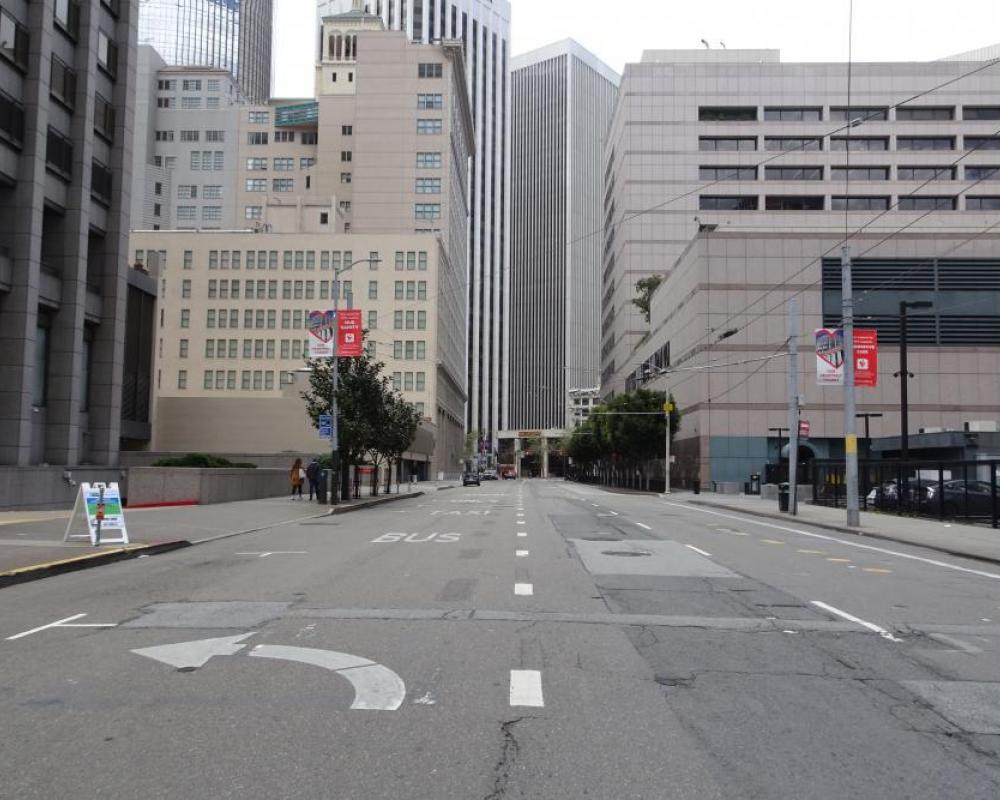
(968, 490)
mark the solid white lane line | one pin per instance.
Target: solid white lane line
(526, 688)
(522, 534)
(63, 623)
(851, 618)
(870, 548)
(521, 553)
(643, 526)
(698, 550)
(524, 589)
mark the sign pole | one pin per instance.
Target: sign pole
(793, 408)
(334, 380)
(668, 408)
(850, 401)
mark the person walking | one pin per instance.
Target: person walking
(297, 476)
(313, 472)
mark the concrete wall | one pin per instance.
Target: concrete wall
(151, 485)
(40, 488)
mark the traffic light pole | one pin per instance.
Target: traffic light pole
(850, 401)
(793, 408)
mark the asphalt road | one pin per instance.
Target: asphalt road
(518, 640)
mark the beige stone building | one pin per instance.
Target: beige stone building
(232, 343)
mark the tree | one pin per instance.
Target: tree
(399, 424)
(645, 288)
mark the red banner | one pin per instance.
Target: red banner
(865, 358)
(350, 341)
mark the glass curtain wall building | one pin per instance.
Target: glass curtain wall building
(484, 27)
(234, 35)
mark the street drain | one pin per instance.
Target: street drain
(625, 553)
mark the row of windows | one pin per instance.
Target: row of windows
(409, 381)
(817, 173)
(427, 127)
(842, 203)
(190, 192)
(283, 164)
(189, 85)
(277, 184)
(190, 103)
(262, 137)
(409, 320)
(302, 290)
(843, 143)
(263, 380)
(906, 113)
(409, 260)
(190, 213)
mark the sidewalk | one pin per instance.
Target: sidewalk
(31, 542)
(953, 538)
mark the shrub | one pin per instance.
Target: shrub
(202, 461)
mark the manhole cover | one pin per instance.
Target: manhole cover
(625, 553)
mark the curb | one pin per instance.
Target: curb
(860, 533)
(39, 571)
(379, 501)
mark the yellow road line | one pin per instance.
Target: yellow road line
(813, 552)
(840, 560)
(771, 541)
(50, 564)
(877, 571)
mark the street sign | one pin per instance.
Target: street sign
(350, 344)
(325, 426)
(804, 429)
(320, 325)
(830, 357)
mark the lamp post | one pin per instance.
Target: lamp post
(904, 375)
(335, 380)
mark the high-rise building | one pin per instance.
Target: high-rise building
(66, 98)
(561, 106)
(234, 35)
(484, 28)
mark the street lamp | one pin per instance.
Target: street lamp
(649, 374)
(335, 379)
(904, 375)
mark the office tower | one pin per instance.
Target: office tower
(484, 28)
(562, 98)
(66, 96)
(234, 35)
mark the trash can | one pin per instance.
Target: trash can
(755, 483)
(696, 486)
(784, 494)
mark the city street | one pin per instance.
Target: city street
(528, 639)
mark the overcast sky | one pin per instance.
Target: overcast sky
(617, 31)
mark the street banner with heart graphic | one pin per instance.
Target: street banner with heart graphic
(321, 326)
(830, 357)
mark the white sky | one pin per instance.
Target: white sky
(617, 31)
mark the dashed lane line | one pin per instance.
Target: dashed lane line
(698, 550)
(772, 541)
(644, 526)
(857, 620)
(524, 589)
(526, 688)
(521, 553)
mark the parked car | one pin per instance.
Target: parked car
(490, 475)
(974, 498)
(508, 473)
(470, 478)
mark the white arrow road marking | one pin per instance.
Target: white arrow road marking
(376, 687)
(526, 688)
(192, 655)
(851, 618)
(63, 623)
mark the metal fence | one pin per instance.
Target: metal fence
(967, 490)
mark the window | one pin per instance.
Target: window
(345, 177)
(428, 186)
(107, 54)
(188, 259)
(187, 213)
(408, 381)
(185, 192)
(397, 381)
(422, 383)
(927, 203)
(421, 320)
(210, 348)
(257, 164)
(372, 320)
(427, 127)
(345, 206)
(346, 156)
(245, 379)
(422, 265)
(253, 212)
(284, 136)
(182, 379)
(855, 143)
(257, 137)
(309, 137)
(165, 102)
(283, 184)
(981, 113)
(428, 160)
(924, 113)
(260, 117)
(207, 382)
(166, 86)
(215, 136)
(793, 114)
(421, 290)
(421, 350)
(981, 173)
(324, 219)
(430, 211)
(727, 114)
(256, 184)
(164, 136)
(306, 163)
(982, 204)
(212, 192)
(186, 288)
(411, 290)
(429, 71)
(211, 213)
(982, 143)
(727, 143)
(793, 173)
(213, 85)
(373, 290)
(195, 159)
(720, 203)
(104, 118)
(859, 114)
(926, 173)
(67, 17)
(725, 173)
(190, 103)
(346, 130)
(859, 173)
(185, 318)
(793, 203)
(430, 101)
(926, 143)
(63, 84)
(787, 143)
(859, 203)
(191, 85)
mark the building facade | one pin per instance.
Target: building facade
(66, 114)
(231, 35)
(232, 339)
(709, 140)
(483, 26)
(561, 107)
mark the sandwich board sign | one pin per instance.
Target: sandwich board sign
(101, 504)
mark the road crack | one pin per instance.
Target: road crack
(509, 751)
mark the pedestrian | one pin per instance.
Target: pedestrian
(312, 474)
(297, 476)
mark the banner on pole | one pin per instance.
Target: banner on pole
(830, 357)
(320, 326)
(350, 343)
